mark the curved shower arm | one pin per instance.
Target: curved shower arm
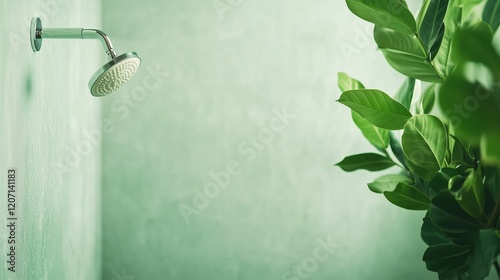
(98, 34)
(77, 33)
(109, 77)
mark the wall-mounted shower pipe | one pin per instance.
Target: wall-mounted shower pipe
(77, 33)
(109, 77)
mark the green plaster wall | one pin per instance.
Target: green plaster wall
(226, 79)
(45, 108)
(235, 100)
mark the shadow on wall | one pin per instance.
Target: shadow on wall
(28, 84)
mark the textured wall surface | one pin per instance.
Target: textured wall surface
(229, 72)
(45, 109)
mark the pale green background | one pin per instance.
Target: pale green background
(226, 78)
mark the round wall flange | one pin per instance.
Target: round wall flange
(36, 34)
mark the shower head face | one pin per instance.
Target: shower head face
(114, 74)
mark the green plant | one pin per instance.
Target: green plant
(449, 156)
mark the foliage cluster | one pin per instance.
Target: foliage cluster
(449, 156)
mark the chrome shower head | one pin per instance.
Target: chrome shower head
(109, 77)
(114, 74)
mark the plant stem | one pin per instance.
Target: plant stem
(389, 157)
(422, 47)
(494, 214)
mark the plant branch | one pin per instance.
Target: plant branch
(422, 47)
(389, 157)
(397, 151)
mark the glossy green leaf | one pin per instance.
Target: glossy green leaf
(432, 22)
(345, 82)
(472, 10)
(452, 96)
(485, 253)
(436, 44)
(476, 46)
(408, 197)
(459, 151)
(452, 21)
(388, 183)
(405, 54)
(464, 169)
(377, 136)
(444, 257)
(482, 28)
(405, 93)
(467, 238)
(368, 161)
(468, 104)
(396, 149)
(428, 99)
(431, 234)
(422, 12)
(411, 65)
(440, 181)
(492, 182)
(405, 43)
(390, 14)
(377, 107)
(425, 142)
(491, 14)
(471, 194)
(452, 274)
(420, 171)
(447, 214)
(455, 184)
(490, 150)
